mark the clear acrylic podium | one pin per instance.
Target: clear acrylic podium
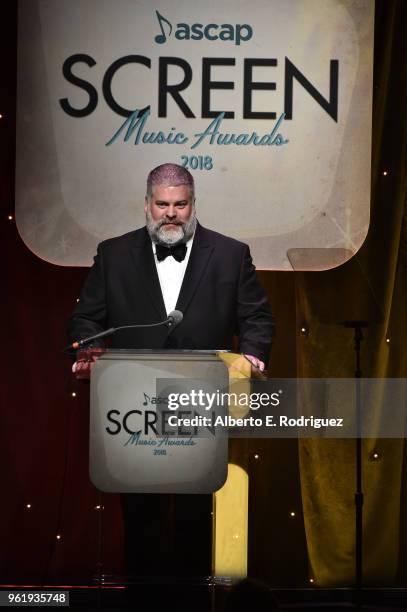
(126, 454)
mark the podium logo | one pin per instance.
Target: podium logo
(153, 399)
(197, 31)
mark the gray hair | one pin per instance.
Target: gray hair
(170, 175)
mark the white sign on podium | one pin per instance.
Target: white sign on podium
(132, 447)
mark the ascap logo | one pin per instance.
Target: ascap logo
(153, 399)
(197, 31)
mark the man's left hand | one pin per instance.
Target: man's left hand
(256, 362)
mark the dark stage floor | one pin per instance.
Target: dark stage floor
(194, 596)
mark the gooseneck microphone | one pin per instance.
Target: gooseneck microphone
(174, 318)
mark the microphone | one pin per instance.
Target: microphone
(174, 318)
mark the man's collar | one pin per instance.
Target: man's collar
(188, 243)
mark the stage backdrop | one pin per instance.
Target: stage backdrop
(267, 103)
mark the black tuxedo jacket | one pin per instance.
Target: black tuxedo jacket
(220, 297)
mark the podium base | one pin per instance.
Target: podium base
(170, 593)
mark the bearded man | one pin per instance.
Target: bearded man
(173, 263)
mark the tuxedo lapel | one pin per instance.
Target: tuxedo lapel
(198, 260)
(143, 258)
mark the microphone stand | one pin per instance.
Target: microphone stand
(357, 327)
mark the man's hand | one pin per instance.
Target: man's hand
(256, 362)
(81, 368)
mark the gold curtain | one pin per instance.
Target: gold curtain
(372, 287)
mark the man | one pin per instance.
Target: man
(173, 263)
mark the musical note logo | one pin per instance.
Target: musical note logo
(146, 399)
(161, 38)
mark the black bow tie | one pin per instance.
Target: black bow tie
(178, 251)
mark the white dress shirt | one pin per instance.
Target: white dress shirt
(171, 274)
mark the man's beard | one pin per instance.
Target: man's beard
(183, 231)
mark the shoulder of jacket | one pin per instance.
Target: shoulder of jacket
(220, 239)
(120, 242)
